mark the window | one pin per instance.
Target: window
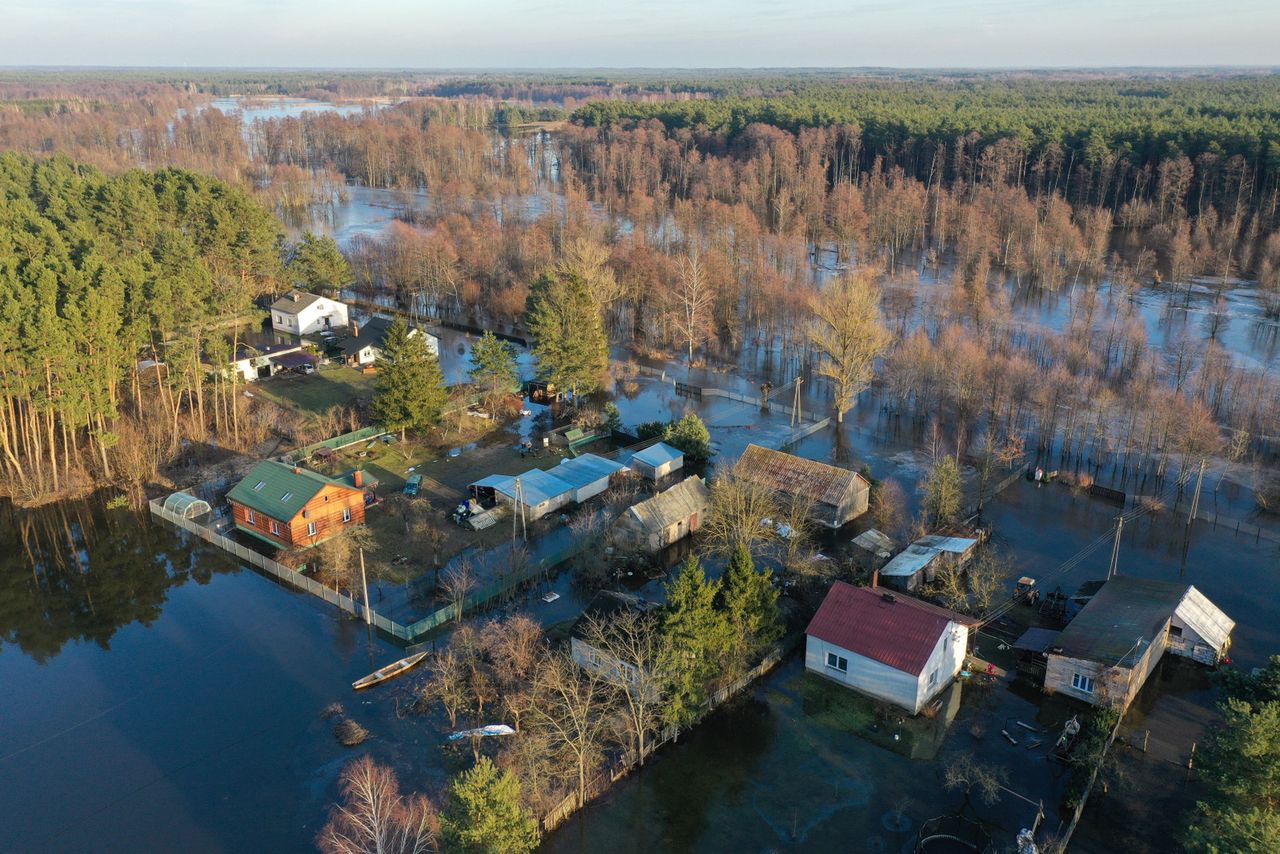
(311, 529)
(594, 658)
(286, 496)
(258, 486)
(1175, 631)
(346, 514)
(933, 678)
(275, 528)
(250, 518)
(836, 662)
(1082, 683)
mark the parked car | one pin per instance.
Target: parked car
(305, 369)
(413, 484)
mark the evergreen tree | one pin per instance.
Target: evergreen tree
(568, 332)
(409, 389)
(751, 605)
(486, 816)
(942, 495)
(318, 265)
(697, 637)
(691, 436)
(493, 366)
(612, 417)
(1241, 767)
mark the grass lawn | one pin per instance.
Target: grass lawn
(331, 385)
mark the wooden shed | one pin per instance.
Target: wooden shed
(838, 495)
(669, 516)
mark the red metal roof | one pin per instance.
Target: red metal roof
(901, 633)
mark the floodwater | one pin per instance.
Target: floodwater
(157, 697)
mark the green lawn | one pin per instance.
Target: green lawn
(329, 386)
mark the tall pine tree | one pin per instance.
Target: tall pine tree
(751, 605)
(409, 389)
(568, 332)
(697, 638)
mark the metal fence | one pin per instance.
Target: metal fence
(291, 577)
(337, 442)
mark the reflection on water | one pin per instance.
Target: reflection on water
(144, 712)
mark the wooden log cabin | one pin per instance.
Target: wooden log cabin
(291, 507)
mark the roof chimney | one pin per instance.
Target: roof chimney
(355, 329)
(297, 469)
(357, 477)
(875, 579)
(296, 296)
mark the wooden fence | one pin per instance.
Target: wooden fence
(1088, 789)
(291, 577)
(601, 783)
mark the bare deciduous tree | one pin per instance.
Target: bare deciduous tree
(691, 301)
(457, 582)
(635, 664)
(374, 817)
(573, 710)
(848, 331)
(447, 684)
(739, 508)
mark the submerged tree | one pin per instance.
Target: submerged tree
(374, 816)
(848, 331)
(690, 436)
(942, 494)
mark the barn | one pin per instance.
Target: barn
(838, 495)
(587, 475)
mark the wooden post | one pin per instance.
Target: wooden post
(1195, 498)
(364, 580)
(1191, 760)
(1145, 736)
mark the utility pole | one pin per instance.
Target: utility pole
(796, 416)
(1195, 498)
(1115, 549)
(517, 513)
(364, 581)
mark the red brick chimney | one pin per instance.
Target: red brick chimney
(355, 329)
(297, 469)
(358, 478)
(875, 579)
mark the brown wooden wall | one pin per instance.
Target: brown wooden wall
(325, 510)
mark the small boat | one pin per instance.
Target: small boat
(389, 672)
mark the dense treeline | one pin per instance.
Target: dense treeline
(1098, 141)
(97, 275)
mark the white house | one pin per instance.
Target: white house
(255, 364)
(656, 461)
(363, 345)
(299, 313)
(887, 645)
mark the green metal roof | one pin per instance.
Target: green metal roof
(279, 491)
(1121, 621)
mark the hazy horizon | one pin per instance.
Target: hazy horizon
(653, 35)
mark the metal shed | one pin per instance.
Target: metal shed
(587, 475)
(657, 461)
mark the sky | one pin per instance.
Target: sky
(459, 34)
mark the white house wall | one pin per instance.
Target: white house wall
(864, 675)
(945, 661)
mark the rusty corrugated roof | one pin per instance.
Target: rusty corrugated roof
(797, 475)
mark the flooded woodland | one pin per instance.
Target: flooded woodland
(1120, 322)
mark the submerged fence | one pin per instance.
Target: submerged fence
(599, 784)
(291, 577)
